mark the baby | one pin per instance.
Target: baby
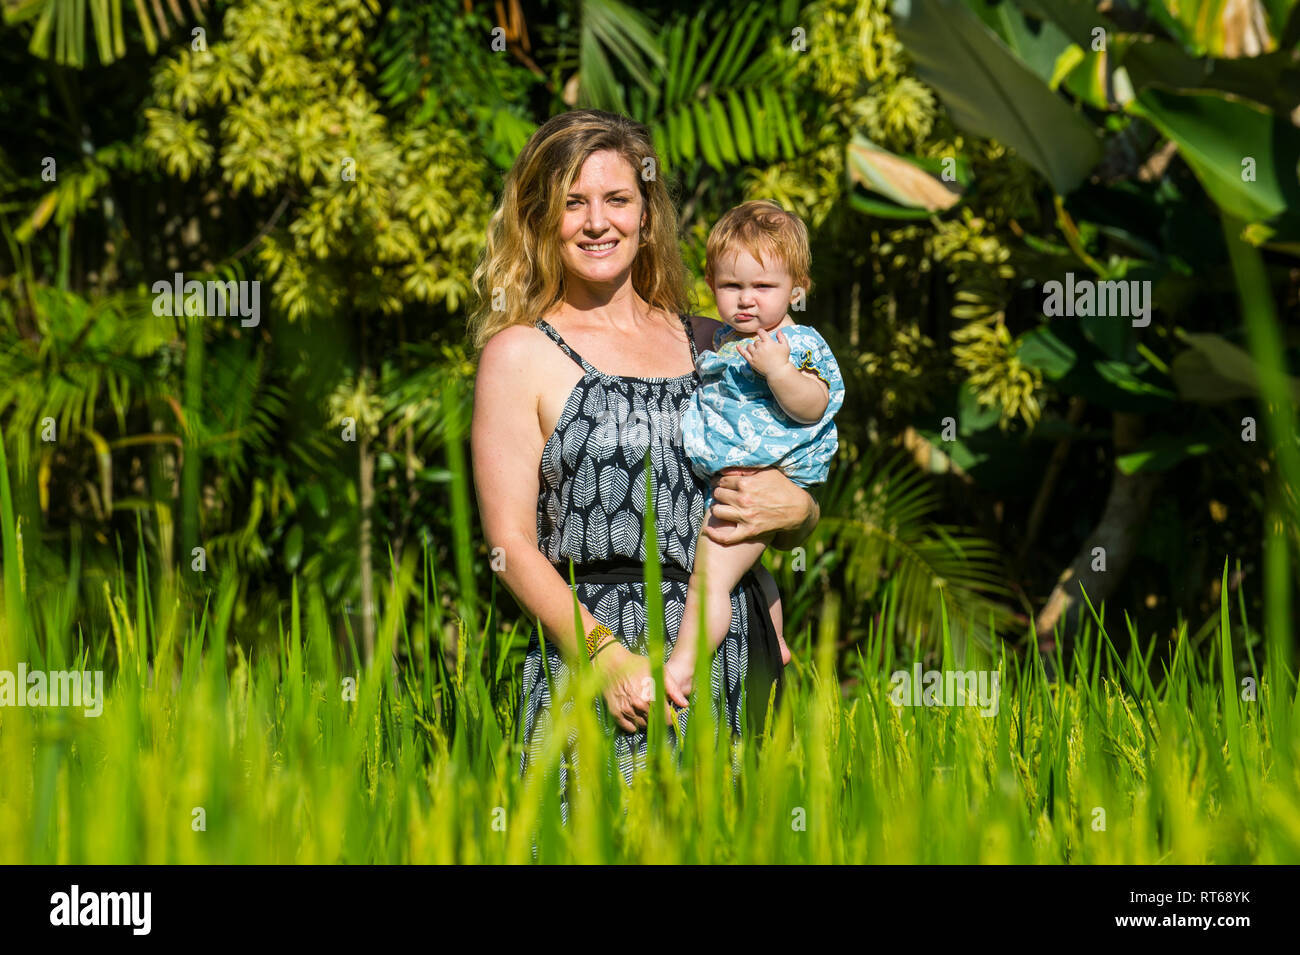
(767, 394)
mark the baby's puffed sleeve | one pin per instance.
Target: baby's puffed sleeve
(719, 333)
(811, 353)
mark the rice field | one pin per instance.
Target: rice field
(204, 753)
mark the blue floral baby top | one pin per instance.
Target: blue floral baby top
(733, 420)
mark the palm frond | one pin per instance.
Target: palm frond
(876, 535)
(83, 352)
(60, 26)
(719, 99)
(610, 27)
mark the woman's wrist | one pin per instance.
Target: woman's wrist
(597, 637)
(610, 659)
(796, 534)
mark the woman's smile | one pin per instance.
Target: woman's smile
(599, 249)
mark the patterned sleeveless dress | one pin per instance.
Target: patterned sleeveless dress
(591, 506)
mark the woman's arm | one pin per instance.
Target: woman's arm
(506, 445)
(758, 501)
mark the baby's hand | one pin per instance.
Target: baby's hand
(765, 353)
(679, 673)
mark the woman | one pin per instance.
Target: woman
(586, 361)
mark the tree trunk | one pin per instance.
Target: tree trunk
(1054, 467)
(1118, 533)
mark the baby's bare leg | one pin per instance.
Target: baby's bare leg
(723, 565)
(773, 598)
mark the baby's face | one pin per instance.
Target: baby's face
(750, 296)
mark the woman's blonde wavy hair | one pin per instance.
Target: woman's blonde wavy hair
(520, 276)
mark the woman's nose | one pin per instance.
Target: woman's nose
(595, 218)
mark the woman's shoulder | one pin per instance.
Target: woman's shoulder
(513, 348)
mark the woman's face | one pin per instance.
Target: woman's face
(603, 216)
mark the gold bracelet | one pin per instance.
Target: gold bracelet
(596, 638)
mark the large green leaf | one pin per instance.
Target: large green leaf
(1221, 139)
(1214, 370)
(1269, 79)
(1077, 19)
(988, 91)
(1161, 452)
(1047, 351)
(1065, 357)
(1037, 46)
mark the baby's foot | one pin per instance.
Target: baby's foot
(785, 651)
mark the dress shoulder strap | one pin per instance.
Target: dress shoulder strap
(690, 335)
(552, 334)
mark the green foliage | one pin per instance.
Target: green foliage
(434, 64)
(283, 96)
(236, 160)
(81, 353)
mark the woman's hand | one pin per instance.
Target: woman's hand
(625, 675)
(630, 689)
(750, 503)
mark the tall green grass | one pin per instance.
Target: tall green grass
(1125, 759)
